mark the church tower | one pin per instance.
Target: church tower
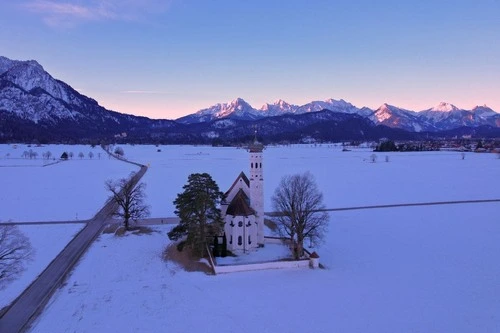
(257, 187)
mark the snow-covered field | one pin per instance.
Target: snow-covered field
(346, 178)
(418, 269)
(69, 190)
(408, 269)
(47, 240)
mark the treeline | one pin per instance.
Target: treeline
(390, 145)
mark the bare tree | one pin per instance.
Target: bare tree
(32, 154)
(373, 158)
(81, 155)
(91, 155)
(70, 154)
(15, 250)
(300, 211)
(47, 155)
(129, 198)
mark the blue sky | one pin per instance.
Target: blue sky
(165, 59)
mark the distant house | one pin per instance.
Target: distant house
(243, 208)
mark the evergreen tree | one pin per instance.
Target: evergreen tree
(197, 208)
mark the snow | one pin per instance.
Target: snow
(69, 190)
(418, 269)
(406, 269)
(278, 108)
(329, 104)
(345, 178)
(59, 235)
(444, 107)
(237, 107)
(271, 252)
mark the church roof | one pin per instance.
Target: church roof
(239, 206)
(256, 146)
(240, 176)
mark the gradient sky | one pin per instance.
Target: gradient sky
(165, 59)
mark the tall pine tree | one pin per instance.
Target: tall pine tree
(197, 208)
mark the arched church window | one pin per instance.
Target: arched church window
(240, 240)
(260, 165)
(249, 240)
(231, 239)
(251, 165)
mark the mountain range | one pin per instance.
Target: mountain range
(442, 117)
(34, 106)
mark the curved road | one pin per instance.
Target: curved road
(31, 302)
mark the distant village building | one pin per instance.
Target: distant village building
(243, 208)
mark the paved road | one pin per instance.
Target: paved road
(31, 302)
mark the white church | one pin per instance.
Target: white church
(243, 207)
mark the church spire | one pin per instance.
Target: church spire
(256, 146)
(257, 185)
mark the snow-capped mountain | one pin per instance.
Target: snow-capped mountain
(32, 100)
(439, 112)
(447, 116)
(484, 111)
(395, 117)
(31, 93)
(444, 107)
(443, 116)
(333, 105)
(239, 109)
(236, 109)
(278, 108)
(34, 105)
